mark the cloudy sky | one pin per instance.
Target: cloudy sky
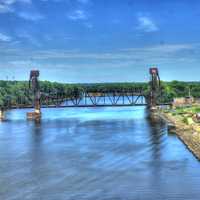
(100, 40)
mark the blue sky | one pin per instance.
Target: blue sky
(100, 40)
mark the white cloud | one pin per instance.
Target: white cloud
(9, 2)
(25, 1)
(30, 16)
(5, 38)
(88, 25)
(29, 38)
(5, 8)
(146, 24)
(158, 52)
(83, 1)
(7, 5)
(78, 15)
(170, 54)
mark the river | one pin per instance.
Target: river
(94, 154)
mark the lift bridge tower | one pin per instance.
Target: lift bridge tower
(35, 90)
(155, 89)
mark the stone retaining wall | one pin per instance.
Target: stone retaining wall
(189, 134)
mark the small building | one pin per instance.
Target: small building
(183, 101)
(189, 100)
(197, 101)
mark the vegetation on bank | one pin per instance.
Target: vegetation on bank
(186, 114)
(12, 91)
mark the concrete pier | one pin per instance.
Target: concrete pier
(36, 115)
(153, 108)
(2, 115)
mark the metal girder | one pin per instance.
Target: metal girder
(89, 99)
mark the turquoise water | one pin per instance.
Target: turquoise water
(94, 153)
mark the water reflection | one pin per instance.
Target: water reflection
(94, 153)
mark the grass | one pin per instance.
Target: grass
(186, 110)
(185, 113)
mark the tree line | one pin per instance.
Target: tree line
(13, 92)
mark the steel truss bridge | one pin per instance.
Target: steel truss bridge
(91, 99)
(85, 98)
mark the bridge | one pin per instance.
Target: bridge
(85, 98)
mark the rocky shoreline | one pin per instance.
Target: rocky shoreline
(188, 134)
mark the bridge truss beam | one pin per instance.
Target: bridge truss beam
(88, 99)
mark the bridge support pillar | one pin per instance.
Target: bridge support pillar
(2, 114)
(34, 115)
(34, 86)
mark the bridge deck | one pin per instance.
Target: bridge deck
(87, 106)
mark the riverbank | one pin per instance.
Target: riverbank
(189, 134)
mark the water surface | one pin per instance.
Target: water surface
(94, 153)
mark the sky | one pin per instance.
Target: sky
(76, 41)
